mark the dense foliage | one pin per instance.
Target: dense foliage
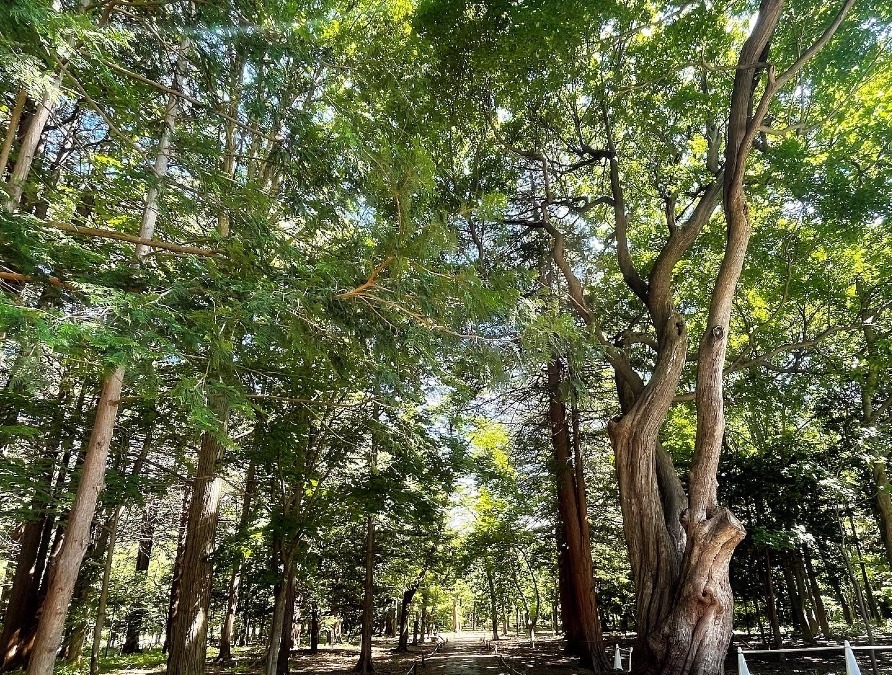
(338, 252)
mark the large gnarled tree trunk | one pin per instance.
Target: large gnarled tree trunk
(680, 545)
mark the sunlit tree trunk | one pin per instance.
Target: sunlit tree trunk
(77, 533)
(283, 589)
(11, 130)
(235, 578)
(29, 145)
(188, 641)
(162, 156)
(103, 593)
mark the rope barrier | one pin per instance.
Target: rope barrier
(413, 669)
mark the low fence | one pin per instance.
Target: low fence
(847, 650)
(512, 670)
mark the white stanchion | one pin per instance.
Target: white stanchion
(630, 660)
(742, 668)
(617, 659)
(851, 663)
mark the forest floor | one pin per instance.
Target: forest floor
(467, 654)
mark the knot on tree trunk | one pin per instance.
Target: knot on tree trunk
(675, 325)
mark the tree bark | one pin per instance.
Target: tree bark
(159, 170)
(314, 628)
(817, 598)
(11, 130)
(188, 644)
(64, 573)
(103, 594)
(23, 598)
(867, 588)
(278, 619)
(177, 569)
(143, 558)
(28, 147)
(235, 579)
(771, 605)
(286, 643)
(493, 605)
(578, 601)
(283, 589)
(884, 506)
(406, 601)
(797, 606)
(368, 608)
(364, 665)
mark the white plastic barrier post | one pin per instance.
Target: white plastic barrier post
(617, 659)
(851, 663)
(629, 670)
(742, 668)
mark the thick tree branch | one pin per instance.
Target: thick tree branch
(129, 238)
(624, 258)
(31, 279)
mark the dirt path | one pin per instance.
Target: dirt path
(464, 655)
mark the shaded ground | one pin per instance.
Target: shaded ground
(337, 660)
(467, 654)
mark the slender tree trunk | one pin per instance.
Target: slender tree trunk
(314, 628)
(797, 605)
(143, 558)
(867, 588)
(235, 579)
(30, 143)
(580, 613)
(408, 594)
(839, 595)
(278, 618)
(286, 643)
(364, 665)
(368, 608)
(493, 605)
(103, 594)
(66, 567)
(771, 604)
(177, 569)
(820, 609)
(188, 644)
(11, 130)
(278, 621)
(172, 111)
